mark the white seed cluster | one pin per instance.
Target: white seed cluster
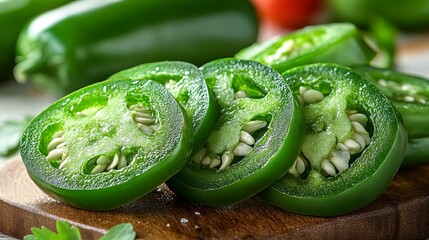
(106, 163)
(338, 159)
(242, 148)
(144, 119)
(411, 91)
(298, 166)
(241, 94)
(58, 150)
(287, 49)
(170, 85)
(308, 96)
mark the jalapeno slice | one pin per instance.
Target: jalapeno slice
(186, 82)
(107, 144)
(337, 43)
(408, 93)
(353, 145)
(254, 142)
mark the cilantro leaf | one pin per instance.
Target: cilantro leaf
(65, 232)
(10, 134)
(123, 231)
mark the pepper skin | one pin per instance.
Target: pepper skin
(353, 146)
(14, 14)
(86, 41)
(254, 142)
(107, 144)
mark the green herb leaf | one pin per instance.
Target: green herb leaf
(10, 133)
(65, 232)
(123, 231)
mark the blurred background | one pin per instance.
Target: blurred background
(398, 28)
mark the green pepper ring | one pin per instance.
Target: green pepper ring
(153, 158)
(272, 154)
(186, 83)
(339, 43)
(371, 172)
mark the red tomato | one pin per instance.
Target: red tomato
(288, 13)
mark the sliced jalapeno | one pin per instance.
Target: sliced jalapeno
(107, 144)
(186, 82)
(353, 146)
(254, 142)
(408, 93)
(337, 43)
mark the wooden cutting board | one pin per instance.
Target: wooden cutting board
(402, 212)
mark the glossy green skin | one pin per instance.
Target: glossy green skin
(14, 14)
(417, 152)
(406, 15)
(415, 114)
(153, 158)
(371, 172)
(336, 43)
(191, 92)
(88, 41)
(272, 155)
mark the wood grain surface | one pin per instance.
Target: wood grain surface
(402, 212)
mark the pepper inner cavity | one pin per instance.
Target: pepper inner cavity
(338, 159)
(221, 161)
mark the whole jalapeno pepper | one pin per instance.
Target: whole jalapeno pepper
(186, 82)
(408, 93)
(86, 41)
(254, 142)
(107, 144)
(353, 146)
(338, 43)
(14, 14)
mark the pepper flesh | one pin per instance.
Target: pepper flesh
(186, 82)
(369, 172)
(338, 43)
(76, 45)
(66, 149)
(253, 100)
